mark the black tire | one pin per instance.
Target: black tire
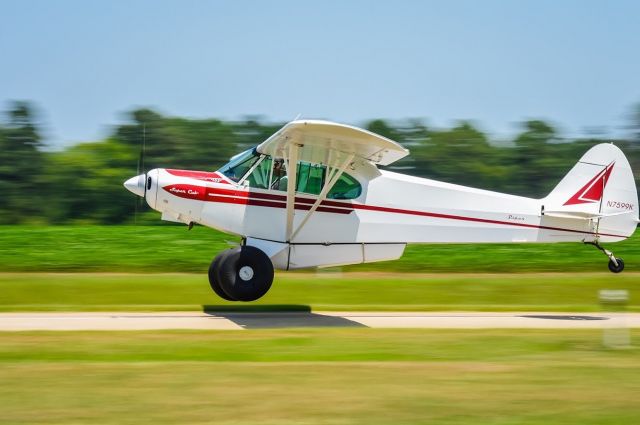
(214, 276)
(618, 268)
(246, 273)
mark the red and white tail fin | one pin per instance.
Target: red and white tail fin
(600, 185)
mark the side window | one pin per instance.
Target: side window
(345, 188)
(310, 178)
(259, 177)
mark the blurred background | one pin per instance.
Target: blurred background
(496, 94)
(82, 183)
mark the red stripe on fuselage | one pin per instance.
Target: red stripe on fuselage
(243, 197)
(240, 197)
(473, 219)
(280, 198)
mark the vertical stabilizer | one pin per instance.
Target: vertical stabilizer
(600, 187)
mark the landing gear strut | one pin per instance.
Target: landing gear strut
(616, 265)
(241, 274)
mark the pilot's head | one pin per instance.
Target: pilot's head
(278, 167)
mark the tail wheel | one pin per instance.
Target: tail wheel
(246, 273)
(616, 265)
(616, 268)
(214, 276)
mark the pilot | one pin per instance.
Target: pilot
(279, 181)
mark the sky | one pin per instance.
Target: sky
(86, 63)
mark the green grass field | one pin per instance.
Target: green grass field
(323, 291)
(336, 376)
(428, 277)
(174, 249)
(309, 376)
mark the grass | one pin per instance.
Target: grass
(155, 253)
(321, 291)
(312, 376)
(174, 249)
(329, 376)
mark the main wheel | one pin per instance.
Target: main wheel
(214, 276)
(618, 268)
(246, 273)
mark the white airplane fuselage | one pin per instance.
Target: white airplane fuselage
(311, 195)
(392, 210)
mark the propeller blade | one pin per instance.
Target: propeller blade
(142, 175)
(144, 141)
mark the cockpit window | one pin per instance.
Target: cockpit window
(310, 178)
(269, 173)
(345, 188)
(259, 177)
(240, 164)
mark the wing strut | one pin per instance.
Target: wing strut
(292, 166)
(332, 177)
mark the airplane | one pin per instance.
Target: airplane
(311, 195)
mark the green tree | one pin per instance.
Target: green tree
(635, 123)
(410, 134)
(85, 183)
(383, 128)
(461, 155)
(21, 165)
(537, 168)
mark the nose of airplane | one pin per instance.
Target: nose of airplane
(136, 184)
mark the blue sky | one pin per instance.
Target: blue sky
(84, 63)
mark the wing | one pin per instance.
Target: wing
(331, 144)
(316, 139)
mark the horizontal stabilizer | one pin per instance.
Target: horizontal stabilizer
(582, 215)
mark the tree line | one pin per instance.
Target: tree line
(83, 183)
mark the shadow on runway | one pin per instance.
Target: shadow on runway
(561, 317)
(256, 308)
(277, 316)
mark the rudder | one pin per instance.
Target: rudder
(600, 186)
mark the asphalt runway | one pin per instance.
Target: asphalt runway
(263, 320)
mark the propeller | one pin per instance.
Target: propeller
(138, 183)
(142, 177)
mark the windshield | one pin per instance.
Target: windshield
(240, 164)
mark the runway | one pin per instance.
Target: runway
(262, 320)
